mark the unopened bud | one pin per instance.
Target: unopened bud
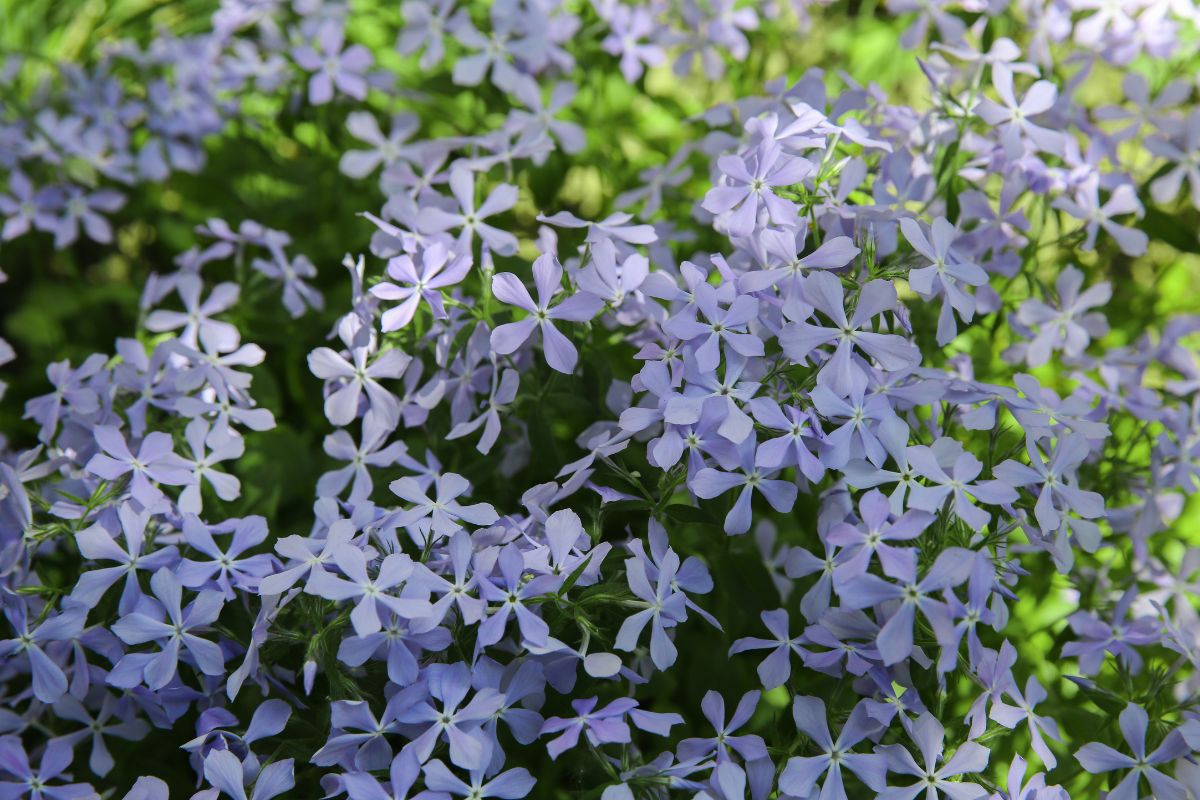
(310, 675)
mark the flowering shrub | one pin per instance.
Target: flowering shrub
(683, 418)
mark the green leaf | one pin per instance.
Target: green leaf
(1105, 699)
(573, 578)
(680, 512)
(1163, 227)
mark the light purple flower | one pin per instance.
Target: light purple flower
(954, 483)
(944, 274)
(1180, 152)
(561, 354)
(298, 296)
(709, 483)
(540, 120)
(470, 218)
(1096, 758)
(1012, 116)
(871, 538)
(226, 774)
(356, 377)
(749, 746)
(494, 50)
(458, 723)
(424, 28)
(225, 569)
(1033, 789)
(827, 295)
(502, 391)
(210, 446)
(403, 773)
(155, 461)
(1086, 206)
(631, 37)
(373, 452)
(180, 632)
(385, 151)
(70, 387)
(1022, 709)
(96, 543)
(1067, 327)
(929, 736)
(895, 640)
(956, 619)
(148, 787)
(35, 783)
(865, 417)
(82, 209)
(455, 589)
(357, 737)
(439, 268)
(776, 668)
(313, 555)
(511, 594)
(780, 251)
(1056, 475)
(664, 608)
(950, 28)
(611, 280)
(444, 511)
(746, 187)
(217, 370)
(332, 66)
(720, 325)
(107, 720)
(26, 207)
(602, 726)
(800, 775)
(49, 680)
(792, 449)
(512, 784)
(370, 593)
(615, 226)
(1119, 635)
(196, 320)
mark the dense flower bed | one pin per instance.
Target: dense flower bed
(714, 399)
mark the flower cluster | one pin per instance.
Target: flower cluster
(884, 336)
